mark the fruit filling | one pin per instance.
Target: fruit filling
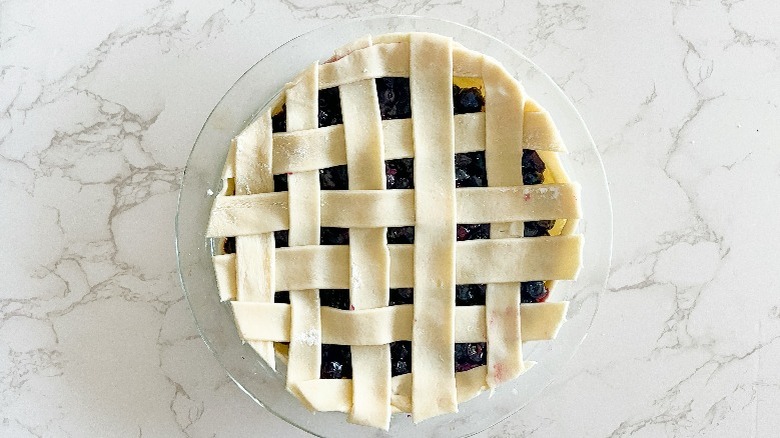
(395, 103)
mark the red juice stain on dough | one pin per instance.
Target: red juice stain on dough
(351, 307)
(527, 197)
(498, 370)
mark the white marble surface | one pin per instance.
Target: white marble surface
(100, 104)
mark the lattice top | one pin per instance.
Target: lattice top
(248, 209)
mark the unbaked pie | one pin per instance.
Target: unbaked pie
(392, 226)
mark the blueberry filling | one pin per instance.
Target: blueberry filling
(282, 238)
(470, 294)
(400, 358)
(470, 171)
(280, 183)
(334, 178)
(470, 355)
(533, 167)
(400, 235)
(537, 228)
(467, 100)
(282, 297)
(334, 236)
(533, 292)
(400, 296)
(332, 369)
(400, 173)
(329, 107)
(472, 232)
(336, 298)
(401, 351)
(229, 246)
(533, 173)
(395, 101)
(336, 362)
(279, 124)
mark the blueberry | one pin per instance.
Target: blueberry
(336, 298)
(470, 294)
(400, 235)
(467, 100)
(472, 231)
(468, 356)
(533, 167)
(282, 238)
(533, 292)
(463, 293)
(332, 370)
(334, 178)
(463, 366)
(282, 297)
(537, 228)
(280, 183)
(394, 98)
(461, 175)
(470, 169)
(400, 173)
(334, 236)
(532, 178)
(476, 353)
(401, 296)
(329, 106)
(336, 362)
(401, 367)
(461, 355)
(401, 357)
(229, 246)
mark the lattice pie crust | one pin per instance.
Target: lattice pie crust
(247, 208)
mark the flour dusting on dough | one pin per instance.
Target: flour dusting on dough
(310, 338)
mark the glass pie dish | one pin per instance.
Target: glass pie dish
(250, 95)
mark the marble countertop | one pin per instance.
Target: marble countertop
(100, 105)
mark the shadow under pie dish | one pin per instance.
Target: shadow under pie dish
(392, 226)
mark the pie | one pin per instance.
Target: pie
(391, 227)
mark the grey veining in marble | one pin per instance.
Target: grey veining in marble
(100, 104)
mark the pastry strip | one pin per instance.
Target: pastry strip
(375, 61)
(504, 102)
(254, 261)
(225, 271)
(369, 264)
(506, 260)
(381, 326)
(304, 198)
(237, 215)
(324, 147)
(433, 366)
(388, 58)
